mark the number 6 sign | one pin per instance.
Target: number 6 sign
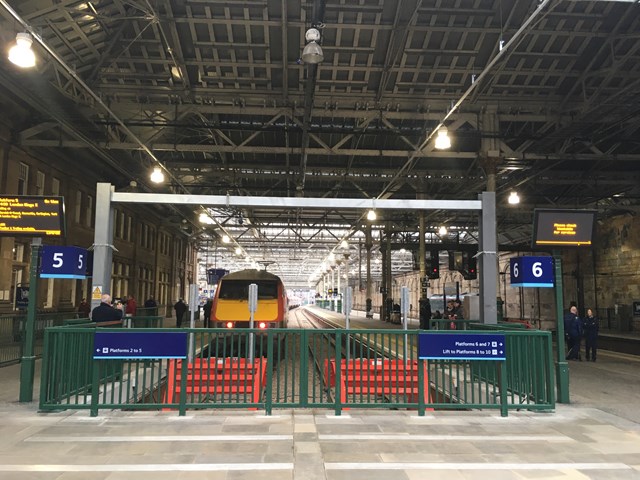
(532, 272)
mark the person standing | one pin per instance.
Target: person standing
(132, 306)
(573, 323)
(152, 306)
(105, 312)
(591, 328)
(207, 312)
(180, 307)
(84, 309)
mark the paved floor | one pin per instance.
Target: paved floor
(596, 437)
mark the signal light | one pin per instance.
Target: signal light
(229, 325)
(262, 325)
(433, 264)
(469, 271)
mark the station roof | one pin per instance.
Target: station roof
(543, 95)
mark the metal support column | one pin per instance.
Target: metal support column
(488, 259)
(102, 243)
(562, 367)
(27, 362)
(369, 245)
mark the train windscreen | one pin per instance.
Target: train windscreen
(239, 290)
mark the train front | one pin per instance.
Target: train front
(231, 303)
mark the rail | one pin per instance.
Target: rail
(72, 379)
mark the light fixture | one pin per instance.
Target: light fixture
(514, 198)
(442, 140)
(157, 176)
(344, 244)
(21, 53)
(371, 215)
(312, 52)
(225, 239)
(442, 230)
(238, 251)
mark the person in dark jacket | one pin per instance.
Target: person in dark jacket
(151, 305)
(425, 313)
(180, 307)
(207, 312)
(573, 324)
(84, 309)
(591, 327)
(105, 312)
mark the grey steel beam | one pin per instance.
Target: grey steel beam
(294, 202)
(488, 259)
(102, 244)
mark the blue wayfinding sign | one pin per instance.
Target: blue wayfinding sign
(459, 346)
(532, 272)
(63, 262)
(107, 345)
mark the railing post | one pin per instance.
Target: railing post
(502, 375)
(304, 368)
(183, 388)
(338, 355)
(95, 386)
(268, 404)
(421, 392)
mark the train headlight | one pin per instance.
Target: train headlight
(262, 325)
(229, 325)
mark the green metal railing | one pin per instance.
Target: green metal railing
(333, 369)
(12, 331)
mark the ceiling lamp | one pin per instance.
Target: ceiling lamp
(312, 52)
(21, 53)
(157, 176)
(442, 230)
(371, 215)
(225, 239)
(238, 251)
(514, 199)
(442, 140)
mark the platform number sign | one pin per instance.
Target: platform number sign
(532, 272)
(63, 262)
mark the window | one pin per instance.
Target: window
(55, 186)
(40, 183)
(89, 211)
(78, 205)
(18, 252)
(23, 179)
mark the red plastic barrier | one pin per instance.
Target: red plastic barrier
(218, 376)
(381, 377)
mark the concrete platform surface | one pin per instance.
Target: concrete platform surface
(597, 436)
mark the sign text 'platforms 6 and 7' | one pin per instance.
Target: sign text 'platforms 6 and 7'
(124, 345)
(532, 272)
(458, 346)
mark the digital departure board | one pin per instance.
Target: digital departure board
(31, 215)
(563, 228)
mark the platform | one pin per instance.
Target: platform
(597, 436)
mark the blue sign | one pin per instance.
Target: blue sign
(532, 272)
(108, 345)
(460, 346)
(22, 297)
(63, 262)
(215, 274)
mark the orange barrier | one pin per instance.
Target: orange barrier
(218, 376)
(380, 377)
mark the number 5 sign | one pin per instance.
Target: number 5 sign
(532, 272)
(63, 262)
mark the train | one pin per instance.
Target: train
(231, 301)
